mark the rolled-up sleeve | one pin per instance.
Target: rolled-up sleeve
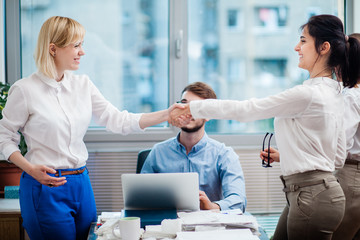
(105, 114)
(232, 181)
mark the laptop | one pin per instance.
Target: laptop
(157, 196)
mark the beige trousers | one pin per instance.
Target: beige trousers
(316, 205)
(349, 178)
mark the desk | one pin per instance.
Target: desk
(93, 236)
(10, 220)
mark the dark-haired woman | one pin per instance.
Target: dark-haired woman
(309, 129)
(349, 175)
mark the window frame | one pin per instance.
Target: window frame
(178, 74)
(12, 40)
(2, 43)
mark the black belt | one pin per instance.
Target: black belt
(295, 187)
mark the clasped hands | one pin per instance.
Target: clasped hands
(180, 115)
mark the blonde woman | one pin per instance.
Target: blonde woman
(53, 108)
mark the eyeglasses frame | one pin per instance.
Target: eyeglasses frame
(264, 163)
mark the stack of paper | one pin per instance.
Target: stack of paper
(155, 231)
(243, 234)
(193, 220)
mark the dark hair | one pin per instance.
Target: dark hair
(200, 89)
(354, 40)
(344, 56)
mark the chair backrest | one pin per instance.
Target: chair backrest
(141, 159)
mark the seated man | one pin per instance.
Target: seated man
(221, 177)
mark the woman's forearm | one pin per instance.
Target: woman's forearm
(153, 118)
(20, 161)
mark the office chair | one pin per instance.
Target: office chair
(141, 159)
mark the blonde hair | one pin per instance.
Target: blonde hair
(60, 31)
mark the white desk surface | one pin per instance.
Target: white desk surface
(9, 205)
(202, 219)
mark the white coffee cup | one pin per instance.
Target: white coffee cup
(129, 228)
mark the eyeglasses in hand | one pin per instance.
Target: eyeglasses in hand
(183, 101)
(264, 163)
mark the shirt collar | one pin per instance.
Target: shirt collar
(197, 147)
(65, 82)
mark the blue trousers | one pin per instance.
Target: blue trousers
(64, 212)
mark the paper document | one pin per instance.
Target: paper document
(192, 220)
(155, 231)
(236, 234)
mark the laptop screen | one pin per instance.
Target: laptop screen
(161, 191)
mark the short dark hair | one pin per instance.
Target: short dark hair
(354, 55)
(200, 89)
(344, 57)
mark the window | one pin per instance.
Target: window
(2, 45)
(271, 17)
(126, 46)
(270, 73)
(243, 49)
(235, 20)
(256, 62)
(236, 70)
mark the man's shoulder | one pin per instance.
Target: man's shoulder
(219, 146)
(164, 144)
(216, 143)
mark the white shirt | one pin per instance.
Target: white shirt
(351, 122)
(308, 123)
(54, 117)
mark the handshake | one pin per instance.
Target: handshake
(179, 115)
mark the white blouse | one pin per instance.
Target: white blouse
(308, 123)
(351, 122)
(54, 117)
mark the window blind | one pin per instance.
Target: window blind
(263, 186)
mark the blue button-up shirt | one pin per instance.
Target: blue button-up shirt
(220, 173)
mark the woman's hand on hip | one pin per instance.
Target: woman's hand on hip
(40, 173)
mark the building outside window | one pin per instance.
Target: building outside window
(268, 62)
(271, 17)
